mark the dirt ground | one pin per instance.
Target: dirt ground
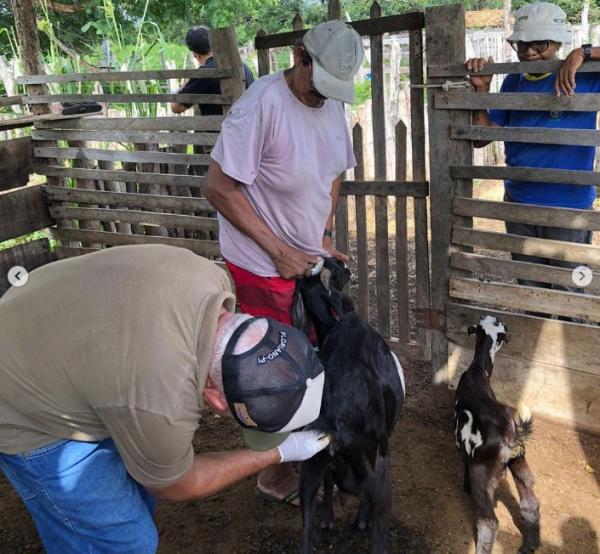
(431, 514)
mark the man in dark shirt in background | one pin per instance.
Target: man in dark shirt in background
(197, 41)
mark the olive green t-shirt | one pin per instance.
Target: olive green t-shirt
(112, 344)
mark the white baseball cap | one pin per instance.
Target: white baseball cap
(337, 52)
(540, 21)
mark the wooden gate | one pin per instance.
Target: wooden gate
(550, 364)
(396, 295)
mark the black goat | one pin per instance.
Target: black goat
(362, 399)
(491, 437)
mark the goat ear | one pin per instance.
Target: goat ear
(472, 330)
(325, 277)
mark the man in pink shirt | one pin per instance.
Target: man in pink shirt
(274, 178)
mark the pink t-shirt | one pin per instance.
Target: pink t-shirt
(285, 155)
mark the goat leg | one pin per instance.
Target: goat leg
(467, 479)
(381, 502)
(482, 491)
(530, 506)
(362, 518)
(311, 475)
(327, 505)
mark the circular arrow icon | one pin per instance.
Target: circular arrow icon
(17, 276)
(582, 276)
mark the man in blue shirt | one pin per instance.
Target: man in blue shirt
(539, 30)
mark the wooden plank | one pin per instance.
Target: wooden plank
(182, 123)
(536, 135)
(410, 350)
(511, 269)
(27, 121)
(138, 217)
(385, 188)
(138, 137)
(126, 199)
(569, 218)
(226, 53)
(341, 225)
(467, 100)
(550, 390)
(120, 155)
(16, 162)
(23, 211)
(127, 98)
(419, 172)
(334, 10)
(163, 74)
(533, 299)
(64, 252)
(262, 54)
(29, 255)
(445, 39)
(121, 175)
(382, 255)
(458, 69)
(557, 250)
(362, 245)
(389, 24)
(533, 174)
(202, 247)
(11, 101)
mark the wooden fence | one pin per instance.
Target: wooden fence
(393, 318)
(551, 364)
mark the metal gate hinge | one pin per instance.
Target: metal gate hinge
(446, 85)
(430, 318)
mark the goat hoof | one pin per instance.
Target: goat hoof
(326, 525)
(359, 527)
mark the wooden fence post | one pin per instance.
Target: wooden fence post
(226, 53)
(445, 31)
(334, 10)
(262, 55)
(381, 211)
(298, 22)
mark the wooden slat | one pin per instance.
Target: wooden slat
(126, 76)
(527, 213)
(127, 98)
(382, 256)
(341, 224)
(138, 137)
(544, 248)
(27, 121)
(511, 269)
(23, 211)
(536, 135)
(459, 100)
(226, 53)
(362, 246)
(410, 350)
(29, 255)
(532, 299)
(389, 24)
(120, 155)
(401, 307)
(182, 123)
(16, 162)
(385, 188)
(458, 69)
(11, 101)
(64, 252)
(202, 247)
(121, 175)
(138, 217)
(126, 199)
(533, 174)
(262, 55)
(417, 122)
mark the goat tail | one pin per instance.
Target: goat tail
(524, 427)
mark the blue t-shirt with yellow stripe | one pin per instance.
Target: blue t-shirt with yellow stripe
(550, 156)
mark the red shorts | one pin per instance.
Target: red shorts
(263, 296)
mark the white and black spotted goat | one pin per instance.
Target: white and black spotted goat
(491, 437)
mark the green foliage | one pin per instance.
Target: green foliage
(363, 93)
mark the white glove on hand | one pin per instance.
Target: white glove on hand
(302, 445)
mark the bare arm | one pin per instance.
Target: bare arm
(178, 108)
(328, 241)
(565, 80)
(481, 83)
(214, 471)
(225, 195)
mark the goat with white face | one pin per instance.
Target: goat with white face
(491, 437)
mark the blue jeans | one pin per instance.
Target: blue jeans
(82, 499)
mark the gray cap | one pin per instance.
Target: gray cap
(540, 21)
(337, 52)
